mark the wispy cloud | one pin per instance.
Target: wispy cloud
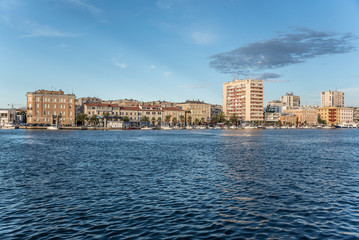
(119, 64)
(33, 29)
(82, 4)
(281, 51)
(153, 66)
(203, 38)
(166, 73)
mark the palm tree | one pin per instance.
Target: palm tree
(181, 118)
(82, 118)
(196, 121)
(233, 119)
(126, 119)
(215, 119)
(106, 114)
(222, 117)
(167, 119)
(153, 120)
(202, 120)
(145, 119)
(94, 120)
(189, 120)
(159, 120)
(174, 121)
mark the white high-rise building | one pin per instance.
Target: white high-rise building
(244, 98)
(332, 99)
(290, 101)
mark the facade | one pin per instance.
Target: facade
(307, 116)
(346, 115)
(356, 114)
(244, 98)
(332, 99)
(272, 116)
(331, 115)
(216, 110)
(288, 118)
(290, 101)
(7, 116)
(50, 107)
(274, 106)
(100, 109)
(133, 113)
(197, 109)
(151, 112)
(173, 112)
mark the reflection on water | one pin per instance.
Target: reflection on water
(175, 184)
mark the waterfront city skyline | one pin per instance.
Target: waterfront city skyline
(178, 50)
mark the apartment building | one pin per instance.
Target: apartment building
(331, 115)
(151, 112)
(346, 115)
(274, 106)
(50, 107)
(308, 116)
(287, 118)
(7, 116)
(244, 98)
(197, 110)
(173, 112)
(332, 99)
(290, 101)
(133, 113)
(216, 110)
(100, 109)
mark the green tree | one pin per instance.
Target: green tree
(174, 121)
(196, 121)
(153, 120)
(167, 119)
(145, 119)
(82, 118)
(189, 120)
(202, 120)
(215, 119)
(181, 118)
(221, 117)
(233, 119)
(106, 114)
(126, 119)
(94, 120)
(159, 120)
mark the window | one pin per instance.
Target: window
(37, 105)
(37, 99)
(54, 105)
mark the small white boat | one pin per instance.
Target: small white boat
(54, 127)
(328, 127)
(146, 128)
(270, 127)
(10, 126)
(233, 127)
(210, 128)
(189, 127)
(217, 127)
(202, 127)
(166, 128)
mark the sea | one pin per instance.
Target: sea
(179, 184)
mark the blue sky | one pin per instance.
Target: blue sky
(178, 49)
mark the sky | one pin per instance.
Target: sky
(176, 50)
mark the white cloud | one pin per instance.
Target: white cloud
(166, 74)
(34, 29)
(203, 38)
(153, 66)
(119, 64)
(86, 6)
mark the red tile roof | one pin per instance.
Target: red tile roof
(101, 105)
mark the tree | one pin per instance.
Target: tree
(196, 121)
(189, 119)
(82, 118)
(181, 119)
(215, 119)
(159, 120)
(153, 120)
(106, 114)
(126, 119)
(233, 119)
(94, 120)
(202, 120)
(221, 117)
(174, 121)
(145, 119)
(168, 119)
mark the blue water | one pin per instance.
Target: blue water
(205, 184)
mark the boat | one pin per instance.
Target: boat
(328, 127)
(10, 126)
(54, 127)
(202, 127)
(217, 127)
(166, 128)
(346, 125)
(146, 128)
(270, 127)
(233, 127)
(189, 127)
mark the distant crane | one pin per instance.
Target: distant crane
(12, 105)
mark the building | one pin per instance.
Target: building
(50, 107)
(331, 115)
(79, 103)
(216, 110)
(7, 116)
(272, 116)
(274, 106)
(101, 109)
(290, 101)
(173, 112)
(287, 118)
(346, 115)
(197, 110)
(244, 98)
(133, 113)
(356, 114)
(305, 116)
(332, 99)
(151, 111)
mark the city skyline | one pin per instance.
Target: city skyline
(178, 50)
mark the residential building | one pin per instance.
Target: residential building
(274, 106)
(216, 110)
(332, 99)
(50, 107)
(331, 115)
(244, 98)
(272, 116)
(133, 113)
(287, 118)
(151, 112)
(173, 112)
(197, 110)
(79, 103)
(100, 109)
(356, 114)
(7, 116)
(305, 116)
(346, 115)
(290, 101)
